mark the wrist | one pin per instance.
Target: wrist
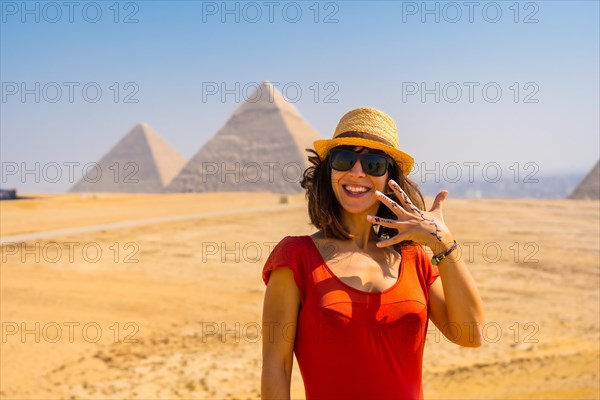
(443, 245)
(447, 252)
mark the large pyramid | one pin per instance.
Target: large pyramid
(141, 162)
(589, 188)
(260, 148)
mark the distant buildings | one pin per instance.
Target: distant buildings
(8, 194)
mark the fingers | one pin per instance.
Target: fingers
(390, 223)
(394, 224)
(404, 199)
(391, 204)
(439, 199)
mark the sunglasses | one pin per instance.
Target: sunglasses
(372, 164)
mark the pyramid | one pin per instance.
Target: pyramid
(589, 188)
(261, 148)
(141, 162)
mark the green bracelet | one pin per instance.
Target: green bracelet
(436, 259)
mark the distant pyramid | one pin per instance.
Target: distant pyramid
(260, 148)
(141, 162)
(589, 188)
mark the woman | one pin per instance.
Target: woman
(353, 300)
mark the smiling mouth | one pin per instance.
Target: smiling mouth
(355, 190)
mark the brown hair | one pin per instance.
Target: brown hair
(325, 211)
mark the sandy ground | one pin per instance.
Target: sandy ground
(172, 309)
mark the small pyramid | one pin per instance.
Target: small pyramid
(141, 162)
(261, 148)
(589, 188)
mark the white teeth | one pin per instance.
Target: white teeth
(356, 189)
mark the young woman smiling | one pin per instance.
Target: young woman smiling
(353, 300)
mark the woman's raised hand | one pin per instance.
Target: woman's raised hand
(424, 227)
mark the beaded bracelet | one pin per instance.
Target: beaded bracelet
(436, 259)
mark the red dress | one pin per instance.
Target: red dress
(352, 344)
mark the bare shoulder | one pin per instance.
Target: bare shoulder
(318, 235)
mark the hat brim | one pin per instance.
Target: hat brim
(404, 161)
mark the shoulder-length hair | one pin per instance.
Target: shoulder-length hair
(326, 212)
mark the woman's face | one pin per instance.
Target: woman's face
(355, 189)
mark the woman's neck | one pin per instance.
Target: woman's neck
(360, 229)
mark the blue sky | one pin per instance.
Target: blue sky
(543, 56)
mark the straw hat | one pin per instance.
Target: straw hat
(371, 128)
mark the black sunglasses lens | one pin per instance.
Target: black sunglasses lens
(374, 164)
(342, 160)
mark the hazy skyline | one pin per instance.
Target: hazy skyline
(489, 82)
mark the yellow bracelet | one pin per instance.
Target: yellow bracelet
(436, 259)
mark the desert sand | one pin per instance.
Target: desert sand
(172, 309)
